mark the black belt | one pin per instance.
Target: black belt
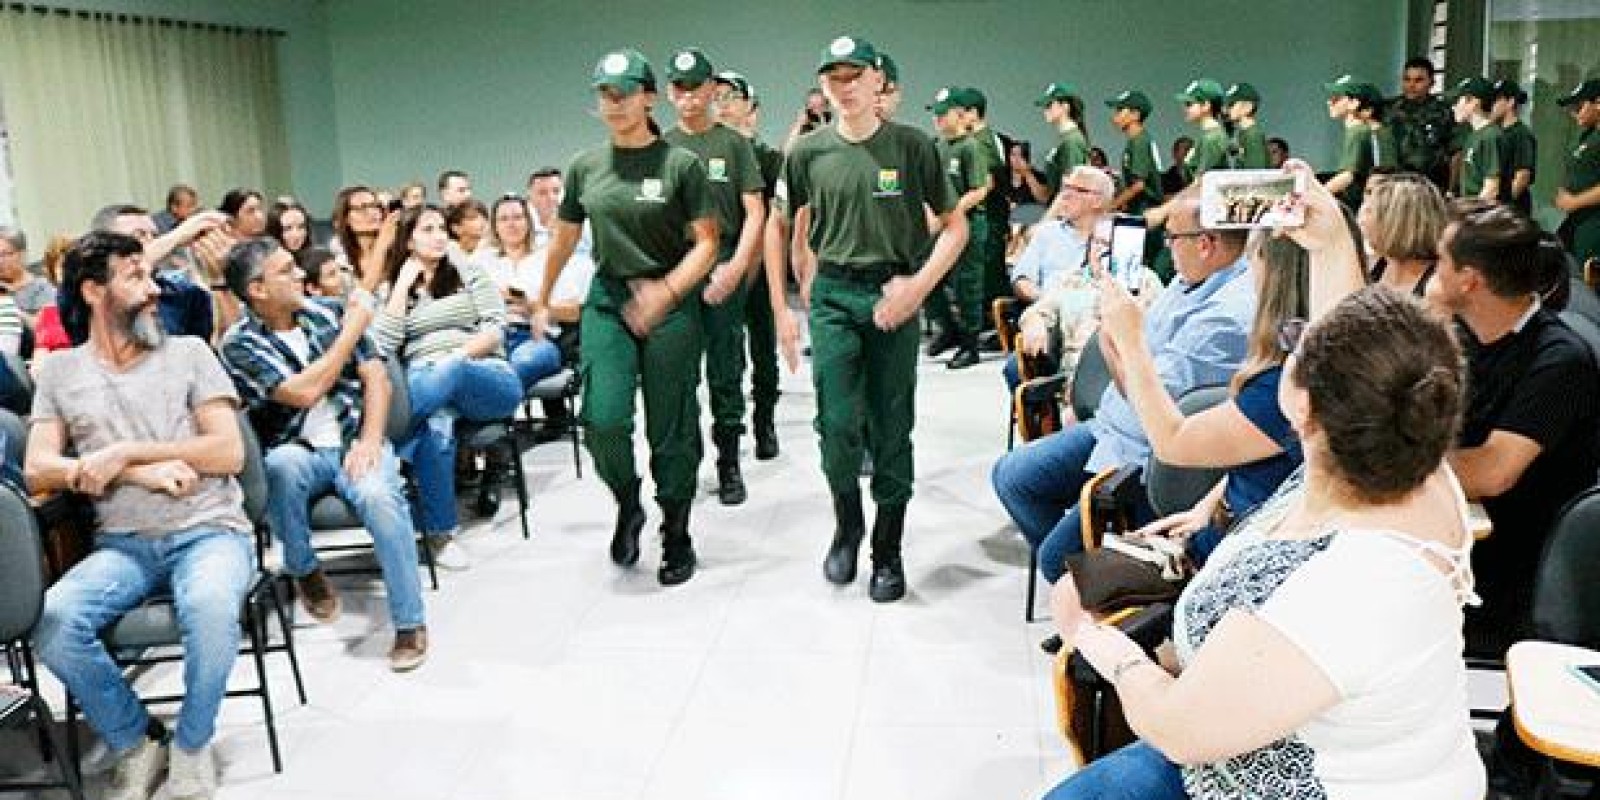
(871, 274)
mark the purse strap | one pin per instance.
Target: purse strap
(1163, 553)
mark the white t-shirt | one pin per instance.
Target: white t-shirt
(1384, 625)
(321, 428)
(527, 274)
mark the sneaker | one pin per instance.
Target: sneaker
(449, 553)
(410, 649)
(318, 596)
(193, 776)
(138, 773)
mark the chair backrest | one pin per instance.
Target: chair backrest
(21, 567)
(13, 439)
(1566, 596)
(14, 364)
(1089, 380)
(1173, 489)
(253, 475)
(1586, 328)
(1583, 301)
(398, 426)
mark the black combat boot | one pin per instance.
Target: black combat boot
(888, 574)
(677, 550)
(730, 483)
(850, 527)
(630, 521)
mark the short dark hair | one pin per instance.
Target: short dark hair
(89, 259)
(444, 177)
(1385, 377)
(311, 260)
(458, 213)
(544, 172)
(246, 260)
(235, 200)
(1280, 142)
(178, 191)
(1502, 245)
(1418, 62)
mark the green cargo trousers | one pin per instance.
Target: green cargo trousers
(959, 297)
(995, 278)
(666, 366)
(724, 331)
(862, 375)
(761, 335)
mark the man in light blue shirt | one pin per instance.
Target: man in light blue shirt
(1198, 331)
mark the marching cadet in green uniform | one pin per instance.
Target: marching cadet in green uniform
(1580, 195)
(1063, 109)
(868, 186)
(655, 240)
(889, 99)
(1422, 124)
(1346, 97)
(1242, 102)
(996, 208)
(1480, 154)
(956, 306)
(736, 185)
(1141, 161)
(1385, 148)
(1202, 106)
(738, 107)
(1519, 149)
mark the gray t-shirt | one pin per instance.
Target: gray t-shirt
(154, 400)
(35, 294)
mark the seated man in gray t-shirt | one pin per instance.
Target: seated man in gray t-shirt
(151, 421)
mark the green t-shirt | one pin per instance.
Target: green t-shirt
(770, 160)
(1210, 152)
(1141, 162)
(639, 203)
(1480, 159)
(866, 198)
(731, 170)
(1355, 157)
(1071, 151)
(994, 161)
(963, 166)
(1385, 150)
(1518, 151)
(1583, 172)
(1250, 148)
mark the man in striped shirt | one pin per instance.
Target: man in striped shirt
(318, 397)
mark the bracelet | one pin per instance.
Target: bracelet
(1130, 663)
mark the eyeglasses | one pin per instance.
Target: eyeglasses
(372, 206)
(1169, 237)
(1289, 333)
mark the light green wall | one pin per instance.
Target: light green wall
(497, 87)
(303, 67)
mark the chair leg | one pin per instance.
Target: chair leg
(427, 559)
(288, 640)
(572, 427)
(258, 634)
(521, 478)
(1033, 585)
(74, 751)
(68, 766)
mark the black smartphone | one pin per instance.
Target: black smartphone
(1127, 250)
(516, 292)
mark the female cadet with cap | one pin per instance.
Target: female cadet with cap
(1202, 106)
(1242, 102)
(655, 240)
(1063, 109)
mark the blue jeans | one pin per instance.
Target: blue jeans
(207, 572)
(1012, 372)
(1039, 484)
(1135, 772)
(533, 360)
(296, 476)
(476, 390)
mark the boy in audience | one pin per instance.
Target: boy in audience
(152, 422)
(455, 188)
(318, 397)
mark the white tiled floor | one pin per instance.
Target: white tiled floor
(555, 675)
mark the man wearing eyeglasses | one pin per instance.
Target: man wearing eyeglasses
(1198, 331)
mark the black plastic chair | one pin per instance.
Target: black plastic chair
(21, 601)
(1586, 328)
(1089, 380)
(562, 387)
(1173, 489)
(153, 626)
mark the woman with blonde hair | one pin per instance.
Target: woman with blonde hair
(1402, 217)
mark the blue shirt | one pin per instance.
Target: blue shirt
(1056, 248)
(1251, 484)
(1199, 335)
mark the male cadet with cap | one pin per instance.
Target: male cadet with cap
(1241, 103)
(1063, 109)
(957, 305)
(1385, 148)
(1345, 100)
(1519, 149)
(735, 181)
(1141, 161)
(1480, 155)
(1422, 124)
(868, 186)
(737, 108)
(889, 98)
(1202, 105)
(996, 208)
(1580, 195)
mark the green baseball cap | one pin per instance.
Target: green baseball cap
(945, 99)
(1131, 98)
(625, 70)
(1056, 92)
(689, 67)
(1241, 92)
(890, 70)
(1509, 88)
(850, 50)
(1369, 95)
(1343, 86)
(972, 98)
(1203, 90)
(736, 82)
(1480, 88)
(1588, 90)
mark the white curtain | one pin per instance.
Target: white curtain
(106, 109)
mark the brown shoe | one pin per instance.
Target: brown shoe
(318, 596)
(410, 649)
